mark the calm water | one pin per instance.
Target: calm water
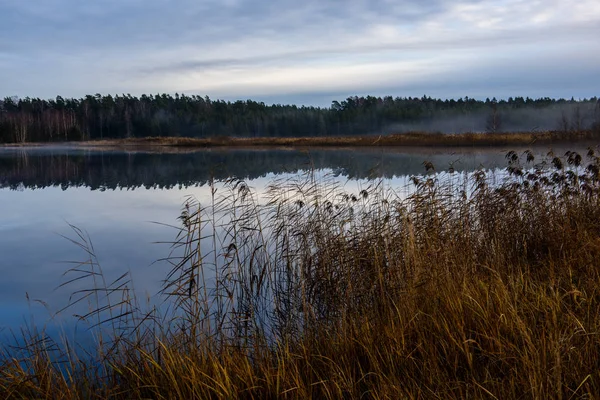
(116, 196)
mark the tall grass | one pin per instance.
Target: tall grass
(414, 139)
(465, 288)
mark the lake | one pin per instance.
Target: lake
(123, 199)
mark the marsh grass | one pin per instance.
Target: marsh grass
(408, 139)
(466, 287)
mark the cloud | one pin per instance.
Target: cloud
(269, 48)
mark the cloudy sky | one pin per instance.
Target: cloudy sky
(301, 51)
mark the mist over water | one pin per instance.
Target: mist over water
(556, 117)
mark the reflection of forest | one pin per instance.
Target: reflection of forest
(110, 169)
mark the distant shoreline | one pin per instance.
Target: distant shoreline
(413, 139)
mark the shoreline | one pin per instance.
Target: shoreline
(414, 139)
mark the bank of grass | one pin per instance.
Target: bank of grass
(463, 289)
(411, 139)
(405, 139)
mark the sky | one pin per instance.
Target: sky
(300, 51)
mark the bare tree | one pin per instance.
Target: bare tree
(577, 119)
(494, 121)
(597, 117)
(563, 122)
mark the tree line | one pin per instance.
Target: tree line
(126, 116)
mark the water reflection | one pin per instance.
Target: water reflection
(43, 167)
(37, 207)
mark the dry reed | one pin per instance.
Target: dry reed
(408, 139)
(463, 289)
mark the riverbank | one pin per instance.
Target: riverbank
(413, 139)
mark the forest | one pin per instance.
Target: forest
(124, 116)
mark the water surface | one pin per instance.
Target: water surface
(116, 196)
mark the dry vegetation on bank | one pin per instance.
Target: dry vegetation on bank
(465, 289)
(405, 139)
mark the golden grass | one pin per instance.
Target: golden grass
(405, 139)
(462, 290)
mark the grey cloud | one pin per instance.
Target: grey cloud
(529, 76)
(72, 25)
(487, 41)
(68, 26)
(72, 46)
